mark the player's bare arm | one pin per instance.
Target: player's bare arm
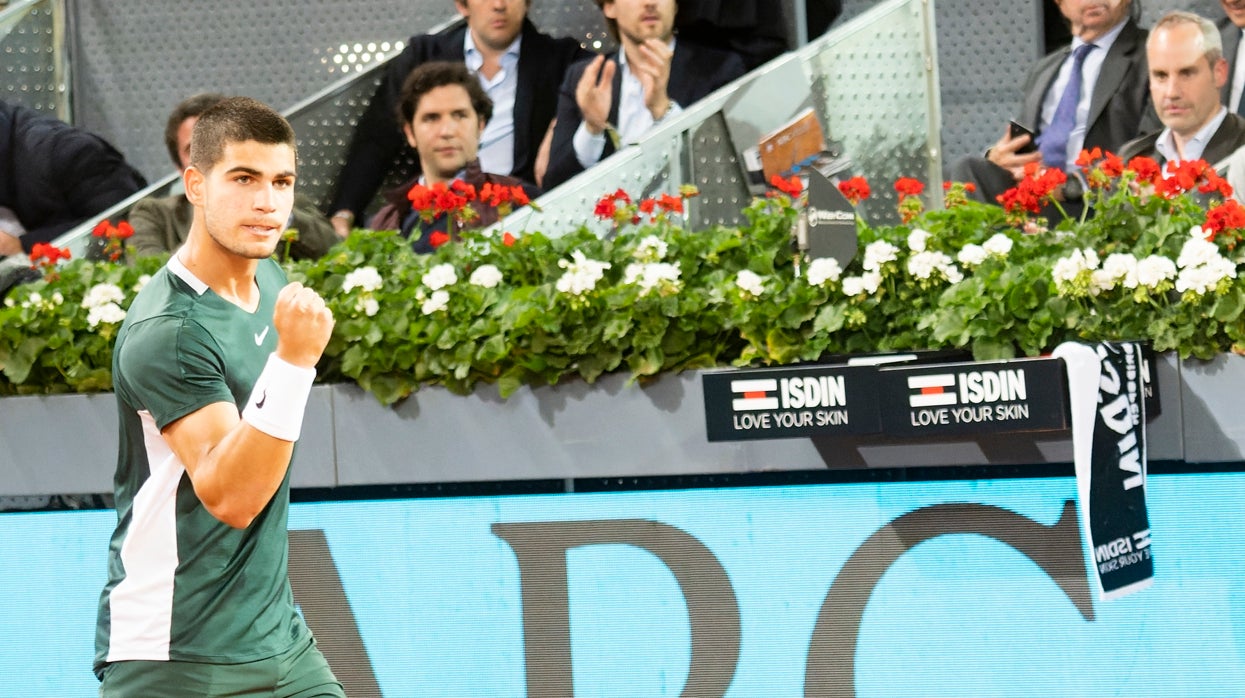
(235, 465)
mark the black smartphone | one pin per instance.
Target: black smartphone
(1015, 130)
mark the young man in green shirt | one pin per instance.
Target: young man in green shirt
(212, 369)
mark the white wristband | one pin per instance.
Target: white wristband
(279, 398)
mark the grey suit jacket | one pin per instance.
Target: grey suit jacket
(1227, 140)
(1120, 108)
(1230, 34)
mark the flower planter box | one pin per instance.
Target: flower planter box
(66, 444)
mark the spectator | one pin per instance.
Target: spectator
(1187, 74)
(520, 69)
(54, 177)
(755, 29)
(161, 224)
(644, 82)
(1092, 94)
(444, 110)
(1230, 30)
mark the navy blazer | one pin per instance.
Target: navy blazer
(378, 140)
(55, 176)
(1119, 108)
(1230, 34)
(695, 71)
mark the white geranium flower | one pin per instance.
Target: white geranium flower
(102, 294)
(439, 277)
(998, 245)
(750, 282)
(1197, 251)
(439, 300)
(108, 313)
(367, 305)
(33, 300)
(364, 278)
(9, 302)
(1099, 281)
(1068, 268)
(1154, 270)
(917, 239)
(869, 282)
(922, 265)
(581, 275)
(651, 249)
(657, 275)
(823, 269)
(487, 275)
(1199, 279)
(58, 298)
(879, 253)
(971, 255)
(141, 283)
(1121, 268)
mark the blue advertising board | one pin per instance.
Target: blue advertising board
(881, 589)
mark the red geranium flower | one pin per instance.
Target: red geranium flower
(908, 186)
(791, 187)
(507, 239)
(438, 238)
(1229, 215)
(856, 189)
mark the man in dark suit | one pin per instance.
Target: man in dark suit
(520, 69)
(1111, 106)
(1187, 74)
(53, 177)
(1230, 29)
(605, 104)
(444, 110)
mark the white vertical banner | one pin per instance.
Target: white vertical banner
(1109, 450)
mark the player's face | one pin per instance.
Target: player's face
(445, 131)
(640, 20)
(493, 23)
(1183, 84)
(246, 198)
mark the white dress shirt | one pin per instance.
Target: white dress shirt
(634, 118)
(1089, 78)
(497, 141)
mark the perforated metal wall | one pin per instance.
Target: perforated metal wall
(135, 59)
(30, 64)
(985, 50)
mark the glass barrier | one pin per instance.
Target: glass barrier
(871, 81)
(32, 56)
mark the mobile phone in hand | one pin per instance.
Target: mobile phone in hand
(1015, 130)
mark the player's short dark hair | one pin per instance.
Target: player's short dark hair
(434, 74)
(187, 108)
(236, 120)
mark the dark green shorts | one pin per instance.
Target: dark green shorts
(300, 673)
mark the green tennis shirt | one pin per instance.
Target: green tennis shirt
(182, 585)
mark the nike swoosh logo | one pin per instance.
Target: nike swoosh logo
(259, 404)
(259, 337)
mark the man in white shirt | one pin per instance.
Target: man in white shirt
(609, 102)
(1187, 74)
(1107, 105)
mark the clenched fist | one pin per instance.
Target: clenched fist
(303, 323)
